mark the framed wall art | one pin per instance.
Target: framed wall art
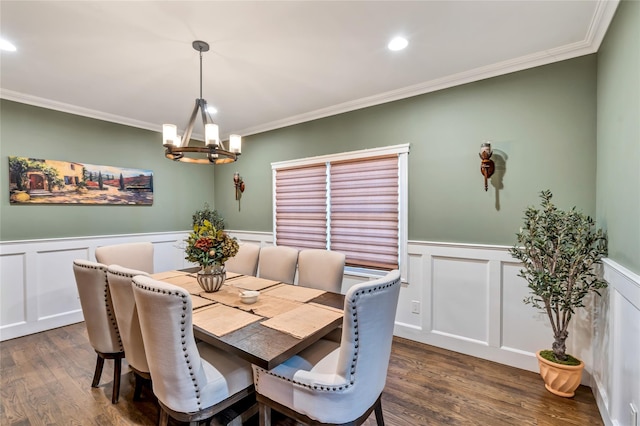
(38, 181)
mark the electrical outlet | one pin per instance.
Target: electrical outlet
(415, 306)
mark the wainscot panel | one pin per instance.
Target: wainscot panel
(462, 297)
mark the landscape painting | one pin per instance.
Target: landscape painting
(38, 181)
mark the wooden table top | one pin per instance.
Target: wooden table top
(261, 345)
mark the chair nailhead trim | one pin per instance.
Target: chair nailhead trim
(353, 306)
(107, 300)
(183, 331)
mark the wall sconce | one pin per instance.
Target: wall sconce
(239, 185)
(487, 167)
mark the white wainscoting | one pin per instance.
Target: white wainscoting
(466, 298)
(616, 348)
(37, 287)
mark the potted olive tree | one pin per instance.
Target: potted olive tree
(559, 250)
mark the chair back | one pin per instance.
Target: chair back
(278, 263)
(97, 307)
(245, 262)
(321, 269)
(137, 256)
(177, 371)
(126, 312)
(365, 349)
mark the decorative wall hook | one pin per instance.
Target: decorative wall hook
(239, 185)
(487, 167)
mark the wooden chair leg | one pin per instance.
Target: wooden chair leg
(378, 411)
(98, 372)
(163, 419)
(264, 414)
(138, 386)
(117, 369)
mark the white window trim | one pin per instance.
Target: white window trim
(402, 151)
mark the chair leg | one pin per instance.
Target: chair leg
(117, 368)
(163, 419)
(98, 372)
(264, 414)
(378, 411)
(138, 387)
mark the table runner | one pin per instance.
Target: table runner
(220, 319)
(303, 320)
(266, 306)
(294, 292)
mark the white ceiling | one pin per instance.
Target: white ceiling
(272, 63)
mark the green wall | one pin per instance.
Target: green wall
(542, 124)
(28, 131)
(618, 135)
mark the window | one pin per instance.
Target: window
(354, 203)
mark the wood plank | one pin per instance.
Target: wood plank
(45, 378)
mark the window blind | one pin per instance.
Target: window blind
(301, 207)
(364, 211)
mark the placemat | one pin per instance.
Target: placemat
(266, 306)
(249, 282)
(220, 319)
(303, 320)
(200, 302)
(294, 292)
(187, 282)
(167, 274)
(231, 275)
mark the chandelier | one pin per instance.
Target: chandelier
(214, 150)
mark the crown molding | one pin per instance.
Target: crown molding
(603, 14)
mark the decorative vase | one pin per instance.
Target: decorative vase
(560, 379)
(211, 277)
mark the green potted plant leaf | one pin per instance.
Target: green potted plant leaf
(559, 251)
(199, 216)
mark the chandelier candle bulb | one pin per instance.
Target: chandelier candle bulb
(169, 132)
(235, 144)
(211, 133)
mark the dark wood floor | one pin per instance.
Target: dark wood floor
(45, 380)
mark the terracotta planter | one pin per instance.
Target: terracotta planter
(561, 380)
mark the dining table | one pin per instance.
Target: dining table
(283, 321)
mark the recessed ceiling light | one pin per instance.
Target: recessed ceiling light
(398, 43)
(211, 109)
(6, 45)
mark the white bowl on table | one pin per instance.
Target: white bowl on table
(249, 296)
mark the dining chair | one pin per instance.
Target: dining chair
(278, 263)
(338, 384)
(125, 310)
(137, 256)
(192, 382)
(245, 262)
(102, 328)
(321, 269)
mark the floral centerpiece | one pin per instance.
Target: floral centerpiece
(210, 248)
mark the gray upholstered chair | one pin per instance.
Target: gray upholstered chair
(137, 256)
(245, 262)
(331, 383)
(278, 263)
(192, 382)
(102, 328)
(321, 269)
(124, 307)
